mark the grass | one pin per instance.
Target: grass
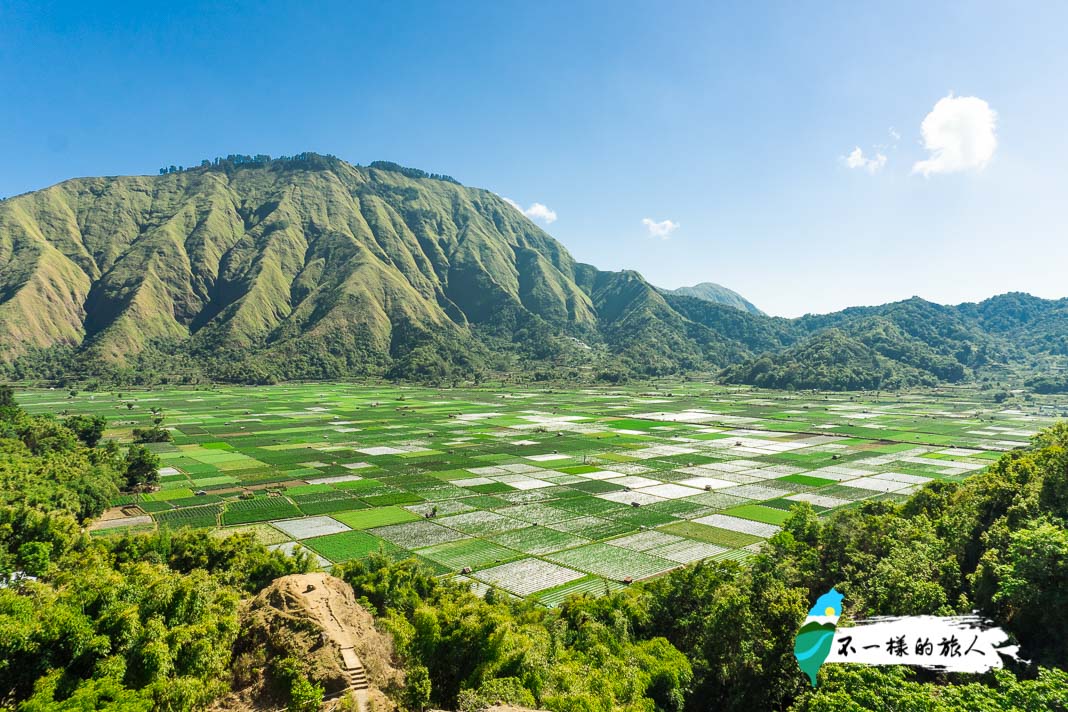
(758, 513)
(346, 546)
(806, 480)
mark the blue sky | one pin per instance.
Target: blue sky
(725, 128)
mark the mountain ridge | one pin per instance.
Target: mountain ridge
(367, 264)
(718, 294)
(253, 269)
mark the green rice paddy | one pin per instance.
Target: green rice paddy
(538, 493)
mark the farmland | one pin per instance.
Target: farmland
(537, 493)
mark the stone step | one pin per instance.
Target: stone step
(357, 676)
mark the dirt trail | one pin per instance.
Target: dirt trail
(316, 619)
(319, 597)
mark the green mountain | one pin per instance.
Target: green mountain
(1038, 325)
(830, 360)
(717, 294)
(907, 343)
(251, 269)
(312, 267)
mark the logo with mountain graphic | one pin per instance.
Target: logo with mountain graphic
(961, 643)
(813, 642)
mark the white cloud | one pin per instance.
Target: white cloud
(894, 134)
(856, 159)
(662, 229)
(960, 133)
(540, 212)
(536, 211)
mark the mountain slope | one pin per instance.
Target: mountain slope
(312, 267)
(830, 360)
(920, 341)
(251, 269)
(717, 294)
(1038, 325)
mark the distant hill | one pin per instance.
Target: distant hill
(717, 294)
(252, 269)
(913, 342)
(832, 360)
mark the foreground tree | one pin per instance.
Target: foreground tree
(88, 428)
(142, 468)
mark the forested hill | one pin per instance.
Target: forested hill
(251, 269)
(916, 342)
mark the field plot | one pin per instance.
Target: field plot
(539, 540)
(613, 562)
(259, 509)
(263, 533)
(539, 493)
(468, 553)
(587, 585)
(194, 517)
(527, 576)
(350, 545)
(482, 523)
(416, 535)
(309, 527)
(370, 518)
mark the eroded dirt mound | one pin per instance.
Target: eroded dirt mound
(314, 619)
